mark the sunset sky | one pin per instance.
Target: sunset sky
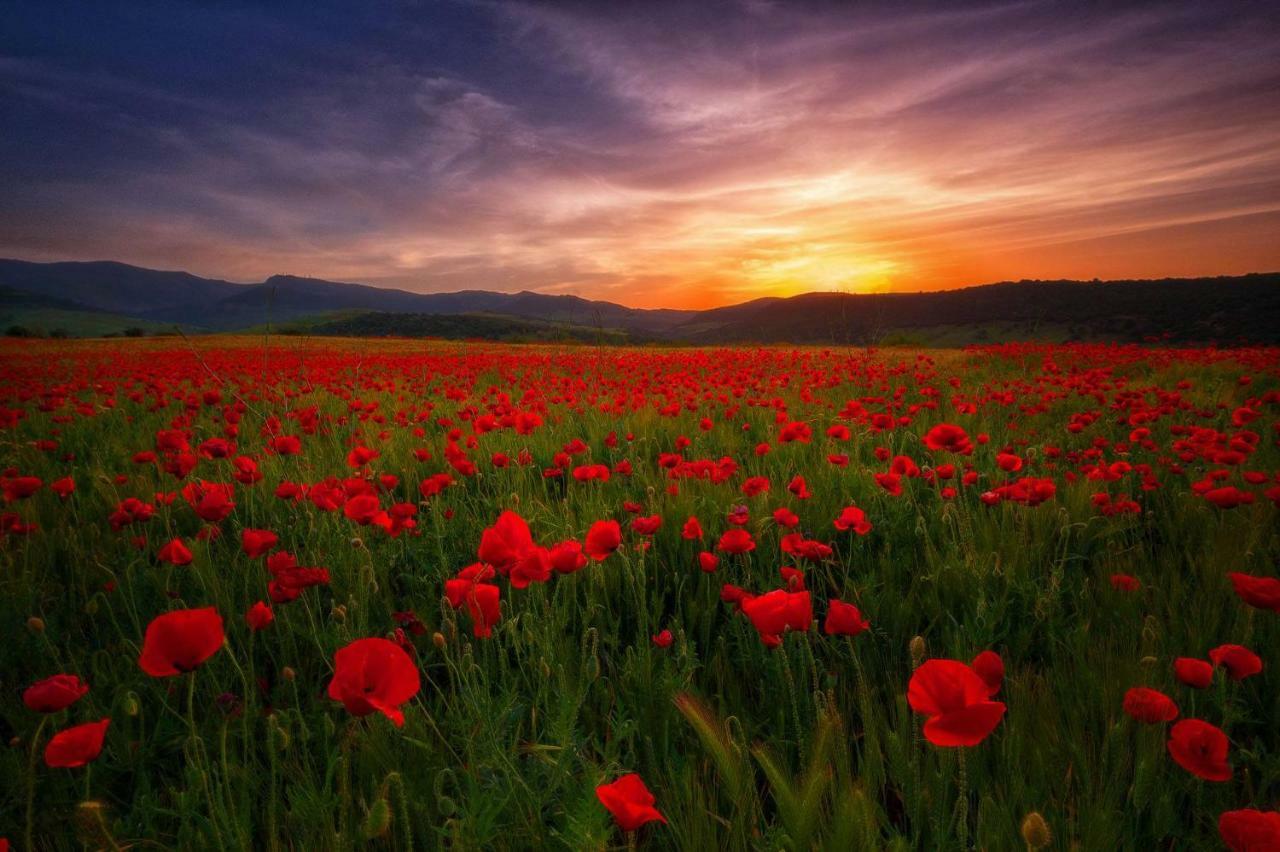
(681, 155)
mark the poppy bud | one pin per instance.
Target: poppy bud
(437, 639)
(15, 741)
(91, 606)
(1035, 831)
(357, 544)
(1148, 661)
(515, 499)
(378, 820)
(446, 805)
(288, 673)
(917, 650)
(131, 706)
(35, 624)
(339, 613)
(91, 822)
(546, 670)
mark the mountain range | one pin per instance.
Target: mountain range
(94, 298)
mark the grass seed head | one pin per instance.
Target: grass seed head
(1035, 831)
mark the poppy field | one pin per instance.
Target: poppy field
(297, 594)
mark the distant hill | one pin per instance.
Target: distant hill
(1224, 309)
(103, 295)
(120, 288)
(451, 327)
(210, 304)
(24, 313)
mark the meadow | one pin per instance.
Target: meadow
(266, 593)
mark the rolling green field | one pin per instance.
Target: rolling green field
(1084, 530)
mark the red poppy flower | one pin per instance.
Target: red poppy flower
(77, 745)
(730, 593)
(1193, 672)
(175, 553)
(54, 693)
(256, 543)
(990, 668)
(483, 605)
(433, 485)
(360, 456)
(1125, 583)
(890, 482)
(480, 598)
(589, 472)
(775, 612)
(1149, 705)
(1228, 497)
(567, 557)
(180, 641)
(736, 541)
(801, 432)
(1009, 462)
(1238, 660)
(259, 616)
(286, 445)
(374, 675)
(1260, 592)
(799, 487)
(843, 619)
(784, 517)
(212, 501)
(20, 487)
(904, 466)
(629, 801)
(646, 525)
(129, 511)
(947, 437)
(708, 562)
(364, 509)
(663, 639)
(1249, 830)
(504, 543)
(853, 518)
(603, 538)
(955, 698)
(533, 566)
(795, 544)
(1201, 749)
(691, 530)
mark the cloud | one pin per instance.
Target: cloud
(668, 153)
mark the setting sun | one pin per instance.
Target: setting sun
(651, 155)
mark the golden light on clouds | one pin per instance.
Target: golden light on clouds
(678, 155)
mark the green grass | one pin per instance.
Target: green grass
(45, 321)
(302, 325)
(807, 746)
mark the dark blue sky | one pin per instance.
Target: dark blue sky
(648, 153)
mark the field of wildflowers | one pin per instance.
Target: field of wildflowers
(292, 594)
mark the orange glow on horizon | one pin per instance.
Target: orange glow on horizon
(664, 155)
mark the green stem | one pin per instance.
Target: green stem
(31, 784)
(191, 703)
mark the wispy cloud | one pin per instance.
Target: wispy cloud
(685, 154)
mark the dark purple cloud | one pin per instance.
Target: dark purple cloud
(647, 153)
